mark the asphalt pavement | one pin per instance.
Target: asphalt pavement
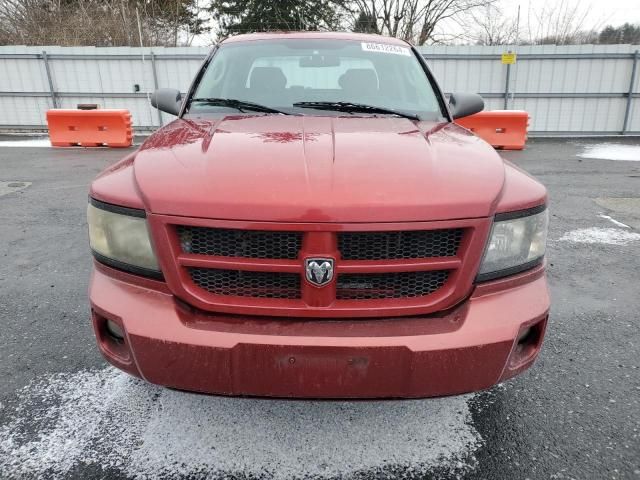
(575, 415)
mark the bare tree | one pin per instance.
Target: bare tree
(561, 23)
(98, 22)
(435, 11)
(411, 20)
(489, 26)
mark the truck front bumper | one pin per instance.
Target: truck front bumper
(494, 335)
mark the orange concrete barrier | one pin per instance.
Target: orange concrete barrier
(506, 129)
(90, 128)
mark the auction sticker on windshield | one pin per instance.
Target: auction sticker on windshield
(385, 48)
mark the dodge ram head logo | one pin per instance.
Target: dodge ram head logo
(319, 270)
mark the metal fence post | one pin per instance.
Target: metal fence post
(506, 87)
(155, 81)
(632, 83)
(54, 99)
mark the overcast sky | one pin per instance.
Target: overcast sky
(601, 12)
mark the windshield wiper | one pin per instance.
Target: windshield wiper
(238, 104)
(354, 107)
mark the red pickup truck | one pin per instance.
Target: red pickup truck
(314, 225)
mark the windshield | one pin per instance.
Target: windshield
(282, 73)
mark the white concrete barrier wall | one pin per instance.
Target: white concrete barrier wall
(578, 89)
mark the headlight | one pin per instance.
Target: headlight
(119, 237)
(517, 242)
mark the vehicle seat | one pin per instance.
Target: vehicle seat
(267, 82)
(296, 93)
(358, 82)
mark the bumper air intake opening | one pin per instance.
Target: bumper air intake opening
(528, 343)
(112, 338)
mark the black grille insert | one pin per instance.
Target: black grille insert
(240, 243)
(365, 286)
(239, 283)
(399, 245)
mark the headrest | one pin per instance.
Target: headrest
(364, 79)
(267, 78)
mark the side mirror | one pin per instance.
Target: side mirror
(465, 104)
(167, 100)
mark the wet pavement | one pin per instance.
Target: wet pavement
(574, 415)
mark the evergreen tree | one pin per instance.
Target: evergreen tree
(626, 33)
(366, 23)
(243, 16)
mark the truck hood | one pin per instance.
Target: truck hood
(318, 169)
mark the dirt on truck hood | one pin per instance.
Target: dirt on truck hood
(318, 169)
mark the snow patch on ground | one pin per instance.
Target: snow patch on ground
(106, 418)
(612, 151)
(27, 142)
(607, 236)
(614, 221)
